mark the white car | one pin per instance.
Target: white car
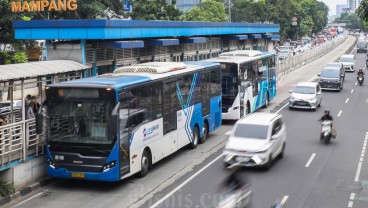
(256, 140)
(348, 61)
(306, 95)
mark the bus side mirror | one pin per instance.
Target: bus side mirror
(39, 118)
(113, 121)
(39, 123)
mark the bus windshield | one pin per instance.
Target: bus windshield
(80, 121)
(229, 80)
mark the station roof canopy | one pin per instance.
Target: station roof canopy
(130, 29)
(238, 37)
(38, 69)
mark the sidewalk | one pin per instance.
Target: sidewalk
(307, 72)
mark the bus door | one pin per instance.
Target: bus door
(124, 145)
(170, 113)
(272, 77)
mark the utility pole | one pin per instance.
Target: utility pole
(229, 10)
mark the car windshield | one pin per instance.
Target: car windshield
(330, 73)
(346, 59)
(304, 90)
(251, 131)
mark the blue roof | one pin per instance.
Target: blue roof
(116, 82)
(129, 29)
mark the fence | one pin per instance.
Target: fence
(297, 61)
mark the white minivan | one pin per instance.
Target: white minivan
(348, 61)
(256, 140)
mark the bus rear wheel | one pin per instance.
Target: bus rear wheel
(194, 143)
(145, 164)
(205, 133)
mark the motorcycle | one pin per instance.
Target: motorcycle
(360, 79)
(326, 131)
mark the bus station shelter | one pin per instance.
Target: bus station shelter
(18, 139)
(105, 45)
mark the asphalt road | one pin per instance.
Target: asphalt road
(311, 174)
(328, 179)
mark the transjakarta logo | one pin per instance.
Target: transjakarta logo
(148, 131)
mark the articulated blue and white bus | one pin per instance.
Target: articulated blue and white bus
(112, 126)
(248, 81)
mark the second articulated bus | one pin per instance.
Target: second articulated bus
(248, 81)
(114, 125)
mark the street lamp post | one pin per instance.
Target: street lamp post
(229, 10)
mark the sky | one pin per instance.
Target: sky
(332, 5)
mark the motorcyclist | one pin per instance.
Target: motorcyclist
(360, 72)
(234, 181)
(326, 116)
(236, 184)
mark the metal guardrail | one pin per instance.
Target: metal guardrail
(297, 61)
(14, 147)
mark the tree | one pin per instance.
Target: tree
(249, 11)
(87, 9)
(154, 10)
(362, 10)
(352, 21)
(8, 44)
(207, 11)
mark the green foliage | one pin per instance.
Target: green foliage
(154, 10)
(20, 57)
(208, 11)
(5, 58)
(312, 15)
(362, 10)
(352, 21)
(6, 188)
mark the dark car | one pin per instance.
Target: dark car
(331, 78)
(362, 47)
(338, 66)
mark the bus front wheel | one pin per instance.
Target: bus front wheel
(145, 164)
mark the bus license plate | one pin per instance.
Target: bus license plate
(78, 175)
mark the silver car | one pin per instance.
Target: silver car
(306, 95)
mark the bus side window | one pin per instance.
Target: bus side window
(215, 82)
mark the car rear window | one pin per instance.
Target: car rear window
(251, 131)
(330, 73)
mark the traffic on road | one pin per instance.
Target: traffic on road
(247, 153)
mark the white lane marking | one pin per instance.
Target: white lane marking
(362, 155)
(352, 196)
(347, 100)
(352, 90)
(358, 172)
(185, 182)
(282, 108)
(350, 204)
(29, 199)
(310, 160)
(356, 83)
(283, 201)
(361, 159)
(312, 79)
(338, 115)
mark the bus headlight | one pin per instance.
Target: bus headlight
(51, 163)
(108, 166)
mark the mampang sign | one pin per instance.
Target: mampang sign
(43, 5)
